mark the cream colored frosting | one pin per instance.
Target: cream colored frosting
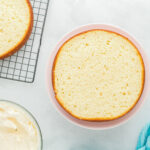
(18, 130)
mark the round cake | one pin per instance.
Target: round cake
(16, 21)
(98, 75)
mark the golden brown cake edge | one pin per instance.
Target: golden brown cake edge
(24, 39)
(96, 119)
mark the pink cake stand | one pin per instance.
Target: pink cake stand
(105, 124)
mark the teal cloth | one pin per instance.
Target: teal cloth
(144, 139)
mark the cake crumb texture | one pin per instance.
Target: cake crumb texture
(16, 19)
(98, 75)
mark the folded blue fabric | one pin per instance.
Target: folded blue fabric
(144, 139)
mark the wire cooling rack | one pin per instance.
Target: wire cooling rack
(22, 65)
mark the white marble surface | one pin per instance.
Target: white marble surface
(63, 16)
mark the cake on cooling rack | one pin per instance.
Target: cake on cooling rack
(16, 20)
(98, 75)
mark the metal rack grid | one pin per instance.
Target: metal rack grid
(22, 65)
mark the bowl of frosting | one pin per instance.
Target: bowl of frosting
(18, 128)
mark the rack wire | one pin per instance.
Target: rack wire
(22, 65)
